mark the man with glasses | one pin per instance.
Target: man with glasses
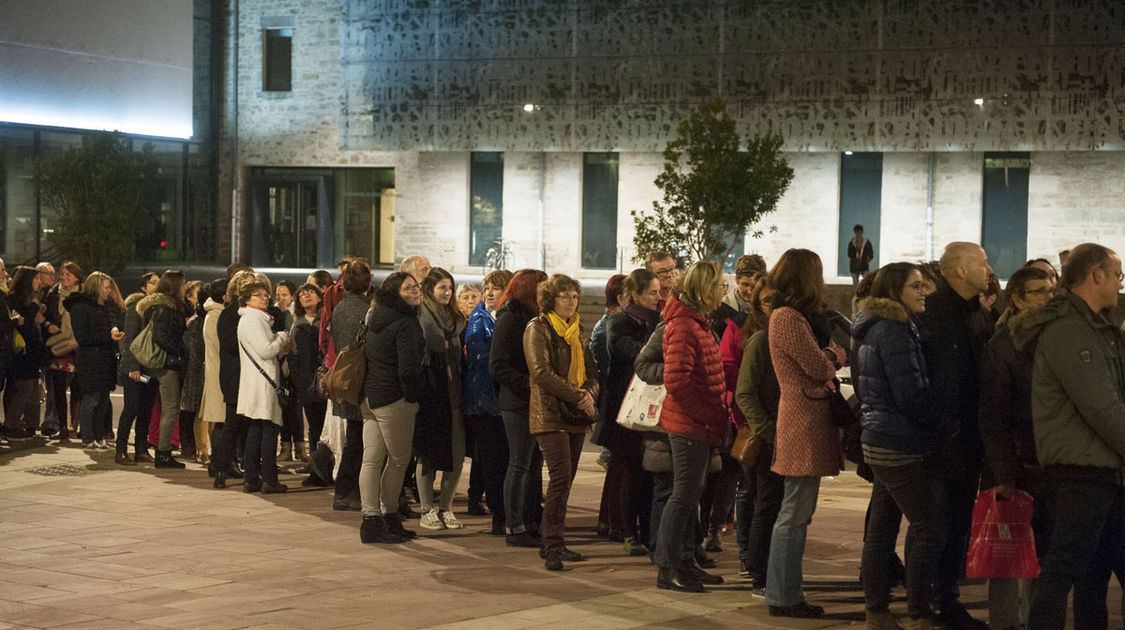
(664, 266)
(1078, 411)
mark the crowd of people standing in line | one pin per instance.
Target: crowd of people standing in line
(954, 397)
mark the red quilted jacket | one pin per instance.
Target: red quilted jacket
(693, 375)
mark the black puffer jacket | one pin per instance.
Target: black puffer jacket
(394, 350)
(507, 362)
(169, 318)
(96, 356)
(892, 382)
(230, 364)
(1005, 404)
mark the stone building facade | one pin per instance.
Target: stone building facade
(403, 92)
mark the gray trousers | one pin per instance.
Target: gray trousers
(388, 434)
(169, 406)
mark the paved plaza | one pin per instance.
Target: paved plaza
(89, 544)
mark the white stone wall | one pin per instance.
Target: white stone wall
(902, 225)
(1074, 198)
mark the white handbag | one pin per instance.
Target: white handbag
(641, 407)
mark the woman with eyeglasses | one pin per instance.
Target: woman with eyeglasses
(259, 350)
(1010, 458)
(899, 429)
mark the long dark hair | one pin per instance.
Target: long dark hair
(429, 283)
(890, 279)
(23, 279)
(799, 277)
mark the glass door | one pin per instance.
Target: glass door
(286, 222)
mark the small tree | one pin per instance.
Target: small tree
(713, 192)
(96, 191)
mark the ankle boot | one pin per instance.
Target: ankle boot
(164, 459)
(303, 451)
(220, 480)
(286, 452)
(373, 529)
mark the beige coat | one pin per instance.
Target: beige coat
(211, 408)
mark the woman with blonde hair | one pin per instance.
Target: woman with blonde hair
(696, 417)
(807, 443)
(61, 344)
(96, 332)
(564, 386)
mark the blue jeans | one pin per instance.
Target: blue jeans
(260, 461)
(920, 496)
(522, 476)
(675, 539)
(90, 414)
(787, 547)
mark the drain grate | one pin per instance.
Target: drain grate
(62, 470)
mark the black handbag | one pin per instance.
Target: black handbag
(284, 394)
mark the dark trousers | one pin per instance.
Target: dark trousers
(718, 495)
(921, 498)
(260, 460)
(523, 481)
(137, 408)
(677, 534)
(1085, 546)
(224, 454)
(347, 478)
(561, 451)
(757, 503)
(187, 430)
(57, 383)
(609, 509)
(293, 424)
(21, 403)
(314, 414)
(960, 492)
(91, 412)
(490, 456)
(634, 498)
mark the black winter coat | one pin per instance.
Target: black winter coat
(892, 382)
(96, 356)
(230, 365)
(305, 359)
(1005, 407)
(394, 350)
(953, 356)
(507, 362)
(26, 364)
(625, 336)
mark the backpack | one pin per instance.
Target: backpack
(343, 383)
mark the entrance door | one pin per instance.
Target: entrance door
(286, 221)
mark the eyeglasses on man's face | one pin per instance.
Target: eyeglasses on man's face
(1113, 272)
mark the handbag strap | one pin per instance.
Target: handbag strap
(260, 370)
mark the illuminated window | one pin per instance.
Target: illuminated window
(486, 204)
(599, 211)
(1004, 210)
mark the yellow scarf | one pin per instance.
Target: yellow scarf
(569, 332)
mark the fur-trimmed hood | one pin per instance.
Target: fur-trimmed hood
(156, 299)
(132, 299)
(872, 310)
(1026, 325)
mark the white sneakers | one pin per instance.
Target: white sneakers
(439, 520)
(98, 445)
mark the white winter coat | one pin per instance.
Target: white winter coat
(212, 408)
(256, 399)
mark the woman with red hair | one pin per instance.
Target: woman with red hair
(516, 307)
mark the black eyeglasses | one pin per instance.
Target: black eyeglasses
(1119, 275)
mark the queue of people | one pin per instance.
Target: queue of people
(954, 398)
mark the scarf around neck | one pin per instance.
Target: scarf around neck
(646, 316)
(569, 332)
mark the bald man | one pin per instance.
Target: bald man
(953, 358)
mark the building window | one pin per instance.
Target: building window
(486, 204)
(861, 192)
(277, 59)
(599, 210)
(1004, 210)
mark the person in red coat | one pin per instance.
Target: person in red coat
(807, 445)
(694, 415)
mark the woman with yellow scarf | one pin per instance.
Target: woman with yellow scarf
(564, 385)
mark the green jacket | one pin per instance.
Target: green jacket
(1078, 385)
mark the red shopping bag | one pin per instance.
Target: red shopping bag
(1003, 545)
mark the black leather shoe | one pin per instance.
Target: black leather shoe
(394, 526)
(522, 539)
(673, 580)
(804, 610)
(704, 577)
(476, 508)
(220, 480)
(958, 618)
(553, 562)
(373, 529)
(346, 503)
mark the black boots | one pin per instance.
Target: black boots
(374, 530)
(394, 526)
(164, 459)
(676, 580)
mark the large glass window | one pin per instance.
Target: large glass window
(1004, 210)
(308, 218)
(17, 195)
(160, 224)
(599, 210)
(861, 193)
(51, 144)
(277, 59)
(486, 204)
